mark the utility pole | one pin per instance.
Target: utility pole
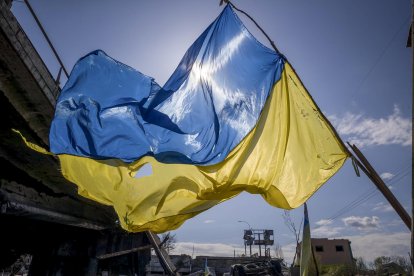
(245, 240)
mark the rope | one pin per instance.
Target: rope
(254, 21)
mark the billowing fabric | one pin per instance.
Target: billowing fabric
(233, 117)
(287, 156)
(209, 104)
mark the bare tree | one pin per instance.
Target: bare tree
(403, 263)
(278, 251)
(361, 266)
(168, 242)
(292, 227)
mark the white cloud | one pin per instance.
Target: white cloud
(326, 231)
(362, 222)
(289, 252)
(374, 245)
(209, 221)
(395, 223)
(365, 131)
(324, 222)
(387, 176)
(208, 249)
(382, 207)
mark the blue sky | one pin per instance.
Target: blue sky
(351, 56)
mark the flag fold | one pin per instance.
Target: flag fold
(233, 117)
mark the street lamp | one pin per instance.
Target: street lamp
(246, 223)
(245, 238)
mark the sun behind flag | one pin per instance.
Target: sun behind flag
(233, 117)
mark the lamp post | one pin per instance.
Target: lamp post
(245, 241)
(246, 223)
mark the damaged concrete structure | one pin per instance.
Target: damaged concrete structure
(41, 213)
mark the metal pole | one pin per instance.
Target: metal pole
(246, 223)
(250, 245)
(47, 38)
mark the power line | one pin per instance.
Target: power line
(403, 172)
(367, 195)
(375, 64)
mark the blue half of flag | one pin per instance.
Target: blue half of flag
(209, 104)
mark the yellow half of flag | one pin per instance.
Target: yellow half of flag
(289, 154)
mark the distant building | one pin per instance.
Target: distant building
(182, 263)
(332, 251)
(217, 265)
(336, 251)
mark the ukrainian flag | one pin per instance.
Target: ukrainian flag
(233, 117)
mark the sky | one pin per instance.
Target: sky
(351, 56)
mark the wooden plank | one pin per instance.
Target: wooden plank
(162, 255)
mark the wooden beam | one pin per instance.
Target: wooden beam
(124, 252)
(162, 255)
